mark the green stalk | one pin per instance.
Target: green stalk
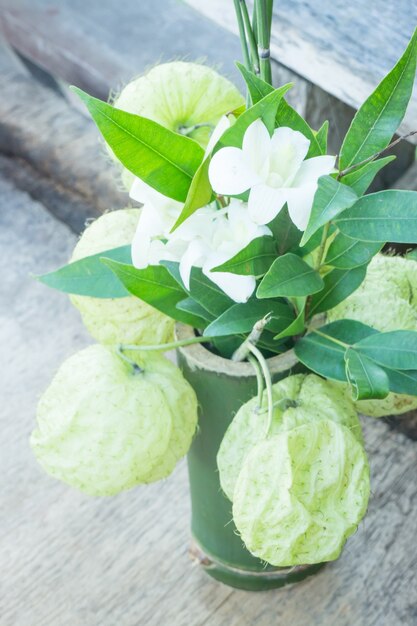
(259, 379)
(268, 382)
(264, 22)
(162, 347)
(253, 47)
(242, 35)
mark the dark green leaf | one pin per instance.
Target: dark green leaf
(289, 276)
(297, 326)
(321, 137)
(286, 234)
(402, 381)
(379, 117)
(345, 253)
(338, 285)
(265, 109)
(286, 115)
(191, 306)
(254, 260)
(360, 179)
(207, 294)
(366, 378)
(241, 318)
(396, 349)
(383, 216)
(323, 350)
(89, 277)
(154, 285)
(165, 160)
(330, 199)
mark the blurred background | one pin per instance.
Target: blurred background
(72, 560)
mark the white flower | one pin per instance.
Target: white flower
(274, 170)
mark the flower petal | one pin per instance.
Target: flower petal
(256, 147)
(222, 125)
(300, 202)
(239, 288)
(193, 257)
(288, 150)
(145, 194)
(266, 202)
(311, 170)
(229, 173)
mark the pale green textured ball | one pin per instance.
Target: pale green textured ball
(120, 320)
(104, 428)
(301, 493)
(386, 300)
(298, 400)
(179, 95)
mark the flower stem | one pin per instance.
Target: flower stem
(253, 47)
(268, 382)
(253, 338)
(242, 35)
(259, 379)
(263, 14)
(163, 347)
(134, 366)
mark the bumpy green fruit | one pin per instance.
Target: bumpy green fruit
(179, 96)
(298, 400)
(120, 320)
(103, 427)
(301, 494)
(386, 300)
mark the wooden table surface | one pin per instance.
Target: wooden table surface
(70, 560)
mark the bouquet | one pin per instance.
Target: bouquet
(265, 245)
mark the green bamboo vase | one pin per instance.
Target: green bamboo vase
(222, 386)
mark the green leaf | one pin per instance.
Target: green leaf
(207, 294)
(89, 277)
(289, 276)
(298, 325)
(402, 381)
(165, 160)
(241, 318)
(366, 378)
(323, 350)
(380, 115)
(330, 199)
(321, 137)
(286, 234)
(286, 115)
(360, 179)
(191, 306)
(383, 216)
(199, 193)
(153, 285)
(396, 349)
(265, 109)
(345, 253)
(254, 260)
(338, 285)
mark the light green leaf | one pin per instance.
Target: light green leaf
(396, 349)
(321, 137)
(165, 160)
(289, 276)
(254, 260)
(89, 276)
(338, 285)
(330, 199)
(360, 179)
(366, 378)
(199, 194)
(383, 216)
(297, 326)
(345, 253)
(379, 117)
(265, 109)
(241, 318)
(286, 115)
(402, 381)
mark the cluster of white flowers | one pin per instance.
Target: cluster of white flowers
(275, 172)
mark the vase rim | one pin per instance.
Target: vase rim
(202, 358)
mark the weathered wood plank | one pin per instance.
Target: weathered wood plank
(343, 48)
